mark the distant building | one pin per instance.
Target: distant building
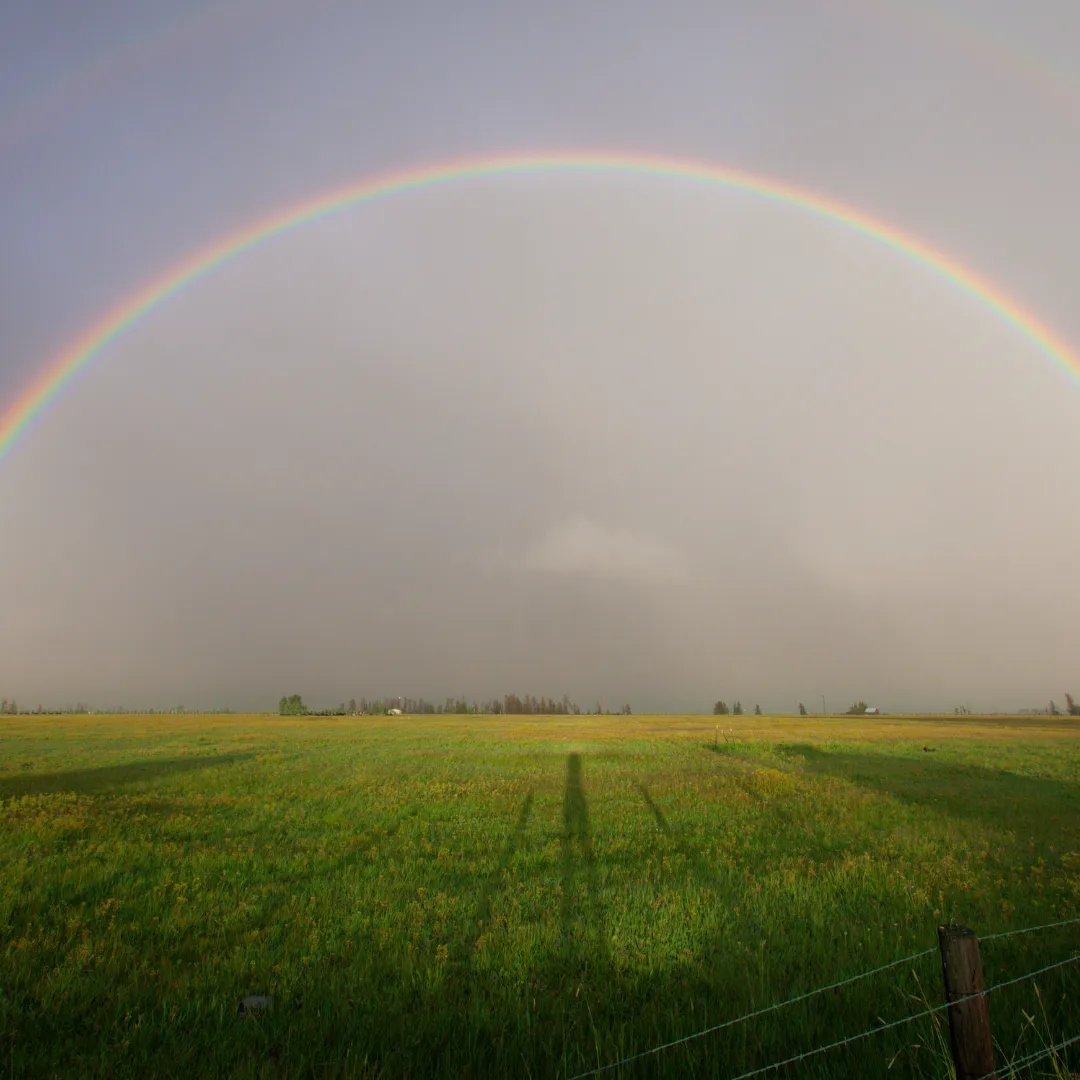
(872, 710)
(394, 712)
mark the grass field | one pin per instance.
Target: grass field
(526, 897)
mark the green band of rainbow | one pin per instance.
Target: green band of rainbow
(88, 345)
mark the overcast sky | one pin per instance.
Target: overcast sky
(623, 438)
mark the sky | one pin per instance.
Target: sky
(632, 439)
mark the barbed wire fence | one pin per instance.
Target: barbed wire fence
(1034, 1059)
(1010, 1068)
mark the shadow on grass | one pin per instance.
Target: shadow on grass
(578, 854)
(87, 781)
(360, 1008)
(483, 908)
(971, 792)
(568, 1016)
(676, 841)
(661, 821)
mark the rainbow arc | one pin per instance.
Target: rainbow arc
(89, 345)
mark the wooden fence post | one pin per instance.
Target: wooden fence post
(969, 1020)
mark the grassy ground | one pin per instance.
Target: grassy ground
(477, 896)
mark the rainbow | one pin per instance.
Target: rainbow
(934, 24)
(127, 58)
(34, 399)
(926, 21)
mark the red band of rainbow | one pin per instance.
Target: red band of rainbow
(34, 399)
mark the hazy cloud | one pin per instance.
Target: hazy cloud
(587, 548)
(643, 439)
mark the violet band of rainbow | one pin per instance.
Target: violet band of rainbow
(34, 400)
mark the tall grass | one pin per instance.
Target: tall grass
(477, 897)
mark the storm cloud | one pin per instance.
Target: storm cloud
(626, 438)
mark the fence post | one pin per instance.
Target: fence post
(969, 1020)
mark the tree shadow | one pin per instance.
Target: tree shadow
(87, 781)
(995, 797)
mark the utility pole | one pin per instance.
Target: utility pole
(824, 711)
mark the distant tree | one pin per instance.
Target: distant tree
(720, 709)
(757, 710)
(292, 706)
(736, 709)
(1071, 707)
(858, 708)
(1054, 710)
(802, 709)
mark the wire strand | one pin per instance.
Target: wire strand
(1032, 1059)
(1020, 978)
(905, 1020)
(840, 1042)
(754, 1014)
(1029, 929)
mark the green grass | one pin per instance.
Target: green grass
(480, 897)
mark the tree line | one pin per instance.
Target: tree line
(508, 705)
(859, 708)
(721, 708)
(11, 708)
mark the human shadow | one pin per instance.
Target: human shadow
(463, 1019)
(579, 862)
(676, 841)
(661, 821)
(483, 910)
(472, 1021)
(88, 781)
(487, 894)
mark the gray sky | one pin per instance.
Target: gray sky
(611, 436)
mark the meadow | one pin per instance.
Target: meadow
(520, 896)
